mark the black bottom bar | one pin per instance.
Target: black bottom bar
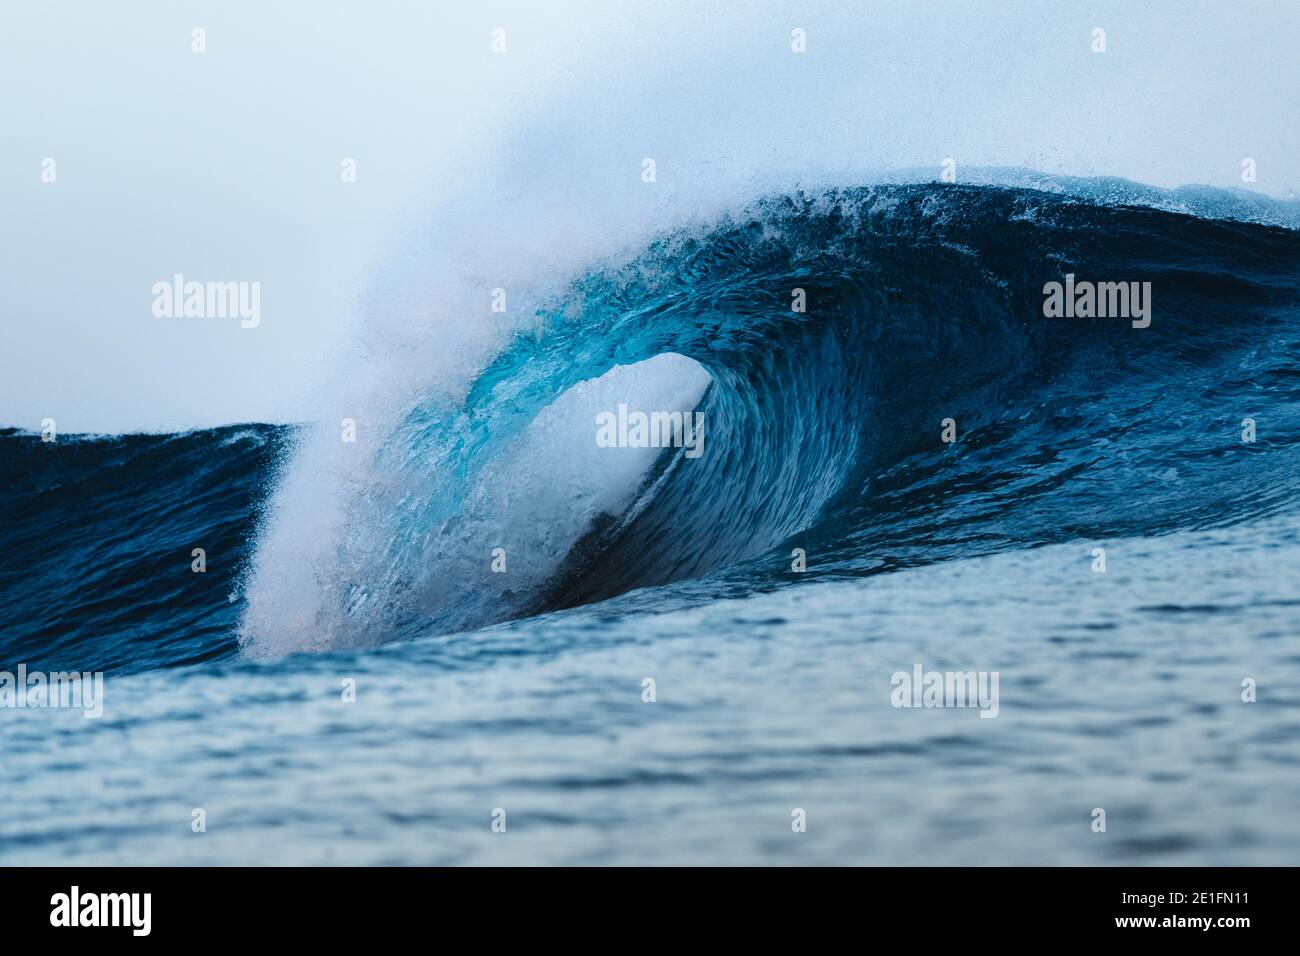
(338, 905)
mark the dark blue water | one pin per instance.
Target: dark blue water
(478, 690)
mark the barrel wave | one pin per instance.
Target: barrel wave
(828, 337)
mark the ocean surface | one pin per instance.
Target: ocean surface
(1114, 531)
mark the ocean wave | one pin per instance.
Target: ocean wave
(824, 429)
(923, 302)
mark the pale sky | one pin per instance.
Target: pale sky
(225, 165)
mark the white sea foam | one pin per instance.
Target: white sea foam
(534, 499)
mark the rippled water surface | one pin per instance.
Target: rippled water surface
(1118, 690)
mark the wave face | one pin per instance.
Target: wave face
(924, 302)
(96, 542)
